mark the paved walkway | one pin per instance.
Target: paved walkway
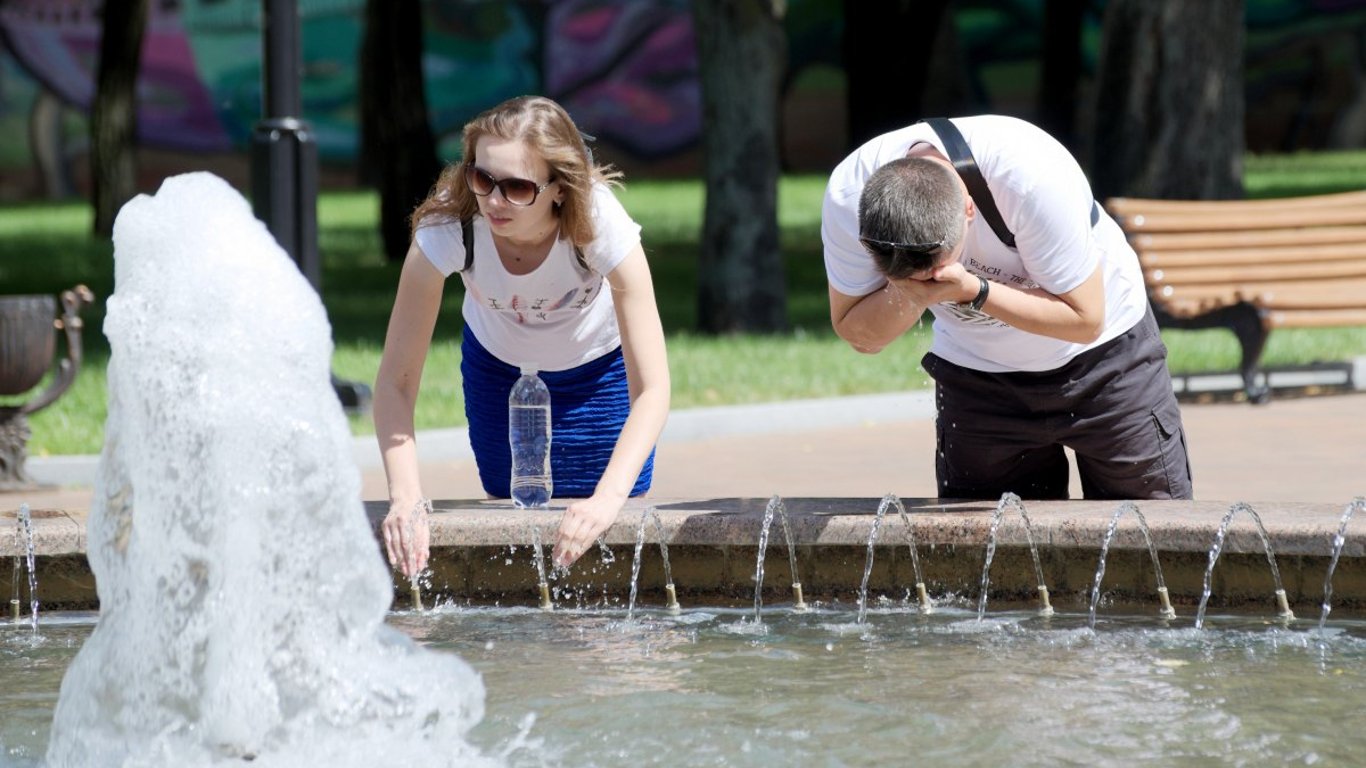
(1308, 449)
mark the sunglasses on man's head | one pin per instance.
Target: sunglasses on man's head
(887, 249)
(516, 191)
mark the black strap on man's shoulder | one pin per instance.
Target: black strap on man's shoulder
(966, 166)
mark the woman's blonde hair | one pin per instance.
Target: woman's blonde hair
(549, 131)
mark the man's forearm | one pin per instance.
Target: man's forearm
(875, 320)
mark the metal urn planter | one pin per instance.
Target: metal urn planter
(28, 346)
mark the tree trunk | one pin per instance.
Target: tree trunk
(741, 56)
(1061, 70)
(1169, 120)
(398, 148)
(892, 41)
(113, 115)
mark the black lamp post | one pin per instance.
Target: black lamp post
(284, 162)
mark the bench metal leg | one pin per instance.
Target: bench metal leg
(1249, 326)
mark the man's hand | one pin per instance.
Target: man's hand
(945, 283)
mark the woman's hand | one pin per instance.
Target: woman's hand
(583, 522)
(407, 536)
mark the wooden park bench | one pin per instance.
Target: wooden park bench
(1251, 265)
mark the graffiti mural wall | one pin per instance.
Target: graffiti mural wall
(626, 69)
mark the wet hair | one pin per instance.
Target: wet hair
(546, 128)
(911, 200)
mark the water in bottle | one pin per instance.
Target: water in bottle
(529, 437)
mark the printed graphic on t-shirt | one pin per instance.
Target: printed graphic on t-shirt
(970, 316)
(541, 307)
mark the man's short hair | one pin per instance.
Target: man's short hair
(911, 200)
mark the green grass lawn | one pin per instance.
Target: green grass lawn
(46, 248)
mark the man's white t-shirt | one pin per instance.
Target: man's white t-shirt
(558, 316)
(1045, 200)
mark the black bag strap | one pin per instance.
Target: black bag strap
(966, 166)
(467, 233)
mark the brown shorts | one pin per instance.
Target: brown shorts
(1112, 405)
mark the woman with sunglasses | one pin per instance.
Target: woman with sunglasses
(555, 275)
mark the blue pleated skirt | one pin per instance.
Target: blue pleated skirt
(588, 406)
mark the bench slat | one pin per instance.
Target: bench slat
(1215, 221)
(1251, 265)
(1344, 294)
(1238, 257)
(1255, 273)
(1266, 238)
(1317, 318)
(1127, 206)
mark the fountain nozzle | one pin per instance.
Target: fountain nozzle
(672, 605)
(1284, 613)
(546, 605)
(1047, 607)
(798, 604)
(925, 605)
(1166, 611)
(15, 610)
(416, 592)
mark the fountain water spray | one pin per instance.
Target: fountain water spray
(16, 608)
(417, 521)
(1012, 501)
(1339, 539)
(759, 562)
(671, 594)
(242, 591)
(1283, 611)
(538, 557)
(647, 515)
(776, 508)
(23, 542)
(798, 603)
(922, 596)
(25, 522)
(1165, 611)
(868, 561)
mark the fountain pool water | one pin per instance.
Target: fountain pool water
(243, 604)
(819, 688)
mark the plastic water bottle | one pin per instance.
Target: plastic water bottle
(529, 437)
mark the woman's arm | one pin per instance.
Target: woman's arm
(406, 344)
(647, 373)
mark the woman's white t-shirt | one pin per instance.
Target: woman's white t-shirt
(1045, 200)
(559, 315)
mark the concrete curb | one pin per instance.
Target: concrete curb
(786, 417)
(684, 425)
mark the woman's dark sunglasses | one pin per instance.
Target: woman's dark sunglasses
(888, 249)
(516, 191)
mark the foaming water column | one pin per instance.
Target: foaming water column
(242, 591)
